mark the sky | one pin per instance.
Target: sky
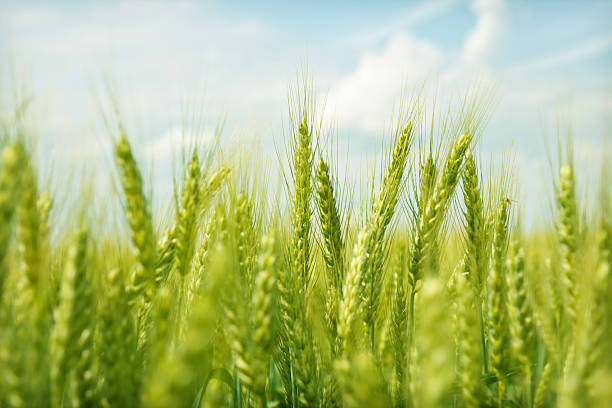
(551, 62)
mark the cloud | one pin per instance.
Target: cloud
(175, 140)
(488, 31)
(363, 98)
(592, 47)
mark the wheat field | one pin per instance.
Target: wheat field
(429, 292)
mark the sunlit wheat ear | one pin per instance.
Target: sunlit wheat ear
(542, 389)
(160, 334)
(474, 224)
(187, 218)
(435, 209)
(72, 368)
(331, 228)
(237, 308)
(363, 281)
(427, 182)
(333, 245)
(27, 319)
(595, 339)
(245, 235)
(399, 329)
(469, 362)
(28, 225)
(204, 254)
(523, 330)
(304, 364)
(165, 249)
(498, 297)
(119, 364)
(213, 184)
(544, 323)
(382, 214)
(297, 361)
(178, 374)
(360, 382)
(349, 311)
(264, 309)
(167, 245)
(302, 172)
(238, 329)
(476, 252)
(139, 219)
(43, 206)
(567, 226)
(11, 167)
(331, 393)
(434, 349)
(300, 369)
(11, 162)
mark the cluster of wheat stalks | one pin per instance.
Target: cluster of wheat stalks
(433, 296)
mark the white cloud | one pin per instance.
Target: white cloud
(488, 31)
(590, 48)
(363, 98)
(175, 140)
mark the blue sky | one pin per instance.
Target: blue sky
(548, 58)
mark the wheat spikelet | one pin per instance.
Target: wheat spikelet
(173, 383)
(139, 218)
(468, 370)
(366, 263)
(165, 249)
(263, 306)
(28, 320)
(399, 330)
(349, 311)
(384, 208)
(436, 207)
(474, 223)
(29, 224)
(300, 369)
(118, 362)
(521, 320)
(360, 382)
(10, 173)
(213, 184)
(302, 163)
(298, 366)
(498, 309)
(542, 388)
(567, 237)
(427, 182)
(333, 247)
(244, 224)
(72, 337)
(187, 218)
